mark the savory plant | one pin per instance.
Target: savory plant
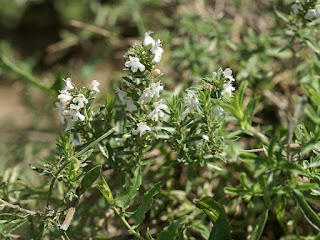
(163, 163)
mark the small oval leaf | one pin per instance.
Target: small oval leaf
(88, 180)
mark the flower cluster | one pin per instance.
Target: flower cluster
(311, 14)
(227, 87)
(223, 78)
(73, 102)
(155, 46)
(192, 99)
(141, 92)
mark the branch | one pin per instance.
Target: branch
(17, 207)
(291, 146)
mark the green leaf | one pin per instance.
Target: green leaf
(6, 64)
(2, 184)
(251, 107)
(312, 114)
(239, 95)
(148, 235)
(280, 211)
(139, 214)
(131, 191)
(103, 150)
(237, 191)
(170, 232)
(106, 192)
(307, 211)
(10, 216)
(313, 46)
(259, 226)
(315, 95)
(210, 207)
(85, 155)
(267, 199)
(220, 229)
(282, 16)
(15, 225)
(88, 180)
(229, 108)
(292, 167)
(217, 215)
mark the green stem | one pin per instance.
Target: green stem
(93, 143)
(258, 134)
(5, 63)
(66, 235)
(76, 155)
(54, 179)
(123, 219)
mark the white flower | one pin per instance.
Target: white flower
(121, 94)
(227, 73)
(75, 142)
(142, 128)
(318, 10)
(131, 107)
(69, 84)
(75, 114)
(70, 123)
(218, 111)
(156, 113)
(156, 48)
(61, 110)
(155, 89)
(151, 92)
(228, 89)
(134, 64)
(94, 86)
(157, 51)
(64, 97)
(193, 101)
(148, 40)
(70, 115)
(81, 100)
(214, 74)
(205, 137)
(146, 96)
(296, 7)
(311, 14)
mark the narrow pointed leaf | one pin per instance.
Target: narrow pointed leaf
(217, 215)
(147, 198)
(10, 217)
(15, 225)
(170, 232)
(106, 192)
(131, 191)
(220, 229)
(307, 211)
(259, 226)
(148, 235)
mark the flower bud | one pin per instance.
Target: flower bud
(156, 72)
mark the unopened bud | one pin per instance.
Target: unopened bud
(209, 86)
(156, 72)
